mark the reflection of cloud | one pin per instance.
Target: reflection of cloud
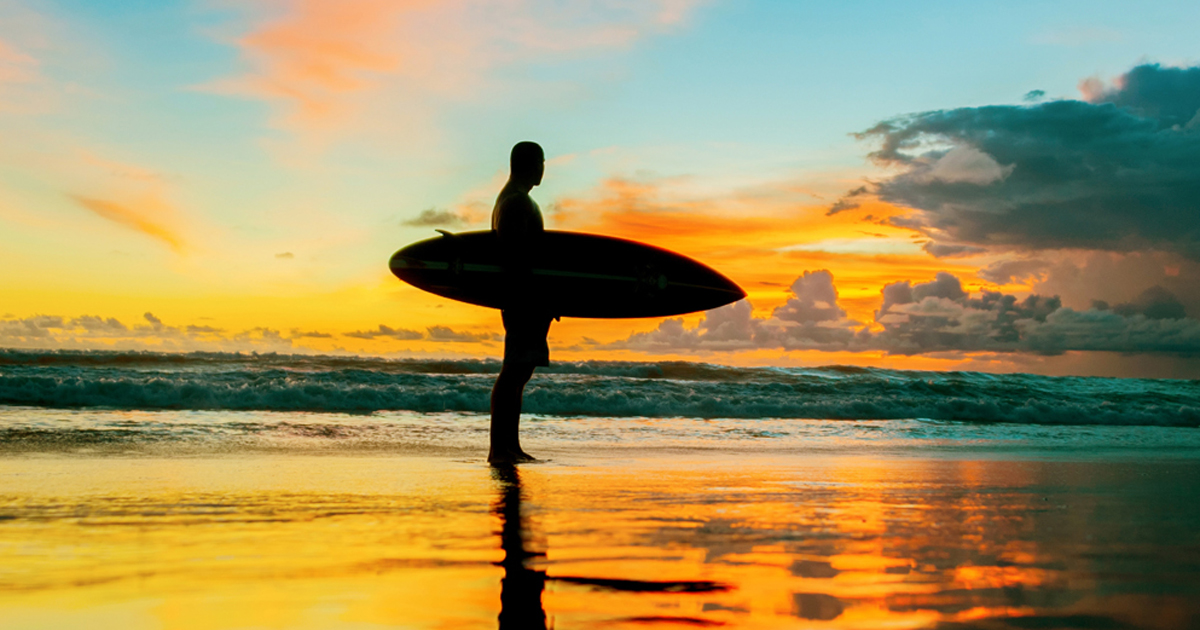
(134, 217)
(1120, 172)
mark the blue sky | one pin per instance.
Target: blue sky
(251, 164)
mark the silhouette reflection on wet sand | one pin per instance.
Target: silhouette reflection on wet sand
(521, 587)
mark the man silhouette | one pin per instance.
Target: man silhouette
(517, 222)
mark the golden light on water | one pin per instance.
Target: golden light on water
(322, 541)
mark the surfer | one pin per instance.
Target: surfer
(517, 222)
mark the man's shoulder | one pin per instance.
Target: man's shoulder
(517, 201)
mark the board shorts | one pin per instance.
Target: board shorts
(525, 337)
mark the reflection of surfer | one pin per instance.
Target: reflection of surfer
(521, 589)
(517, 223)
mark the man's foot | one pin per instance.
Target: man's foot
(509, 456)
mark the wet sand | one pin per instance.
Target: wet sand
(683, 539)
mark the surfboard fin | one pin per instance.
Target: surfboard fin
(447, 233)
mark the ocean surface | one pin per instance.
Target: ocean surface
(188, 491)
(139, 400)
(665, 389)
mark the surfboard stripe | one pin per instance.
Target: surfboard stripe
(435, 265)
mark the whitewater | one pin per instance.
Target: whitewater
(663, 389)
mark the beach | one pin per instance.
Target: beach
(157, 491)
(853, 532)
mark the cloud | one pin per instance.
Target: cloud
(1014, 270)
(96, 332)
(321, 64)
(16, 66)
(810, 319)
(432, 333)
(285, 256)
(944, 286)
(403, 334)
(444, 333)
(91, 331)
(310, 334)
(1170, 96)
(1154, 303)
(935, 317)
(91, 323)
(138, 218)
(433, 217)
(965, 164)
(1081, 277)
(814, 300)
(940, 316)
(942, 250)
(847, 202)
(1118, 172)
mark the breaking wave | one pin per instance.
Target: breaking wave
(247, 382)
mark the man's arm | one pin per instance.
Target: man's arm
(518, 225)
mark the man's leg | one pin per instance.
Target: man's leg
(506, 413)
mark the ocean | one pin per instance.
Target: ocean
(206, 490)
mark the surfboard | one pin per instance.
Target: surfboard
(569, 274)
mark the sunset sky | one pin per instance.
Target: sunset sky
(1009, 186)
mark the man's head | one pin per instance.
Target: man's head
(528, 162)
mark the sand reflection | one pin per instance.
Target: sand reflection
(835, 542)
(521, 588)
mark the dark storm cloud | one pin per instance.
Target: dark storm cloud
(1155, 303)
(1006, 271)
(1119, 174)
(1168, 95)
(942, 250)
